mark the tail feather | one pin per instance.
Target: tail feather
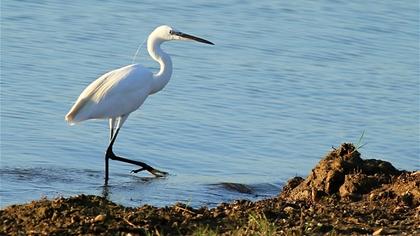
(72, 115)
(70, 119)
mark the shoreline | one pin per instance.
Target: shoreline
(344, 194)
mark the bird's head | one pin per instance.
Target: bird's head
(167, 33)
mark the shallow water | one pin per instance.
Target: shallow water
(284, 82)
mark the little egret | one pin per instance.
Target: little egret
(116, 94)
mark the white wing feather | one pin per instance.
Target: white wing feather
(116, 93)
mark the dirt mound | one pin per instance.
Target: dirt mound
(343, 195)
(343, 174)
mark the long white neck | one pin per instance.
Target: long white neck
(165, 62)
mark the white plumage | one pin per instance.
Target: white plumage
(112, 95)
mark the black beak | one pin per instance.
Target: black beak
(187, 36)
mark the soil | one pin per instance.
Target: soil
(343, 194)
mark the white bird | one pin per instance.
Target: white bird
(116, 94)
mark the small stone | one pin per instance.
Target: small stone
(99, 218)
(378, 232)
(54, 216)
(289, 210)
(75, 219)
(372, 196)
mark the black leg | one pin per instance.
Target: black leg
(110, 155)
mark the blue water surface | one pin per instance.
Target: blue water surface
(285, 81)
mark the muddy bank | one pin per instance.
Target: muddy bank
(343, 194)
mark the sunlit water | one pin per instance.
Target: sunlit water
(284, 82)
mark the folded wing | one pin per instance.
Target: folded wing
(116, 93)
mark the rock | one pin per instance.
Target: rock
(373, 196)
(99, 218)
(75, 219)
(378, 232)
(289, 210)
(54, 216)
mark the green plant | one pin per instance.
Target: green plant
(205, 230)
(359, 143)
(257, 224)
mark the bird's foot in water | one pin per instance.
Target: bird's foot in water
(155, 172)
(110, 154)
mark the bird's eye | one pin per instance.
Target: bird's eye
(171, 32)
